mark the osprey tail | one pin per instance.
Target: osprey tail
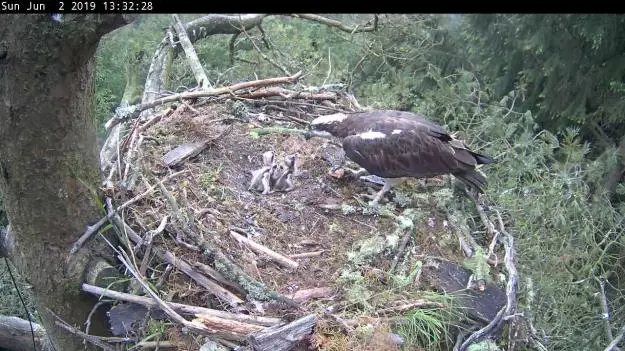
(473, 178)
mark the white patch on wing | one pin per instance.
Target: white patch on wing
(372, 135)
(396, 131)
(337, 117)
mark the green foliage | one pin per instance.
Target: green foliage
(566, 235)
(564, 66)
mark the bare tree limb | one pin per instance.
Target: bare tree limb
(204, 93)
(338, 24)
(194, 61)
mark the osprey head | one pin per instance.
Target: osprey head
(323, 125)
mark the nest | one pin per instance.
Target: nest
(232, 264)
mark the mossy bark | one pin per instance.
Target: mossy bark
(48, 157)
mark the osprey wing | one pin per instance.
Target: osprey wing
(410, 152)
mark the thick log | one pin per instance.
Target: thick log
(282, 338)
(15, 335)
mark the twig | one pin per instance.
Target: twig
(231, 44)
(278, 258)
(148, 243)
(265, 57)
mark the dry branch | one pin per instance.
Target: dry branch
(208, 284)
(181, 308)
(192, 59)
(511, 285)
(223, 324)
(288, 94)
(282, 338)
(314, 293)
(258, 248)
(338, 24)
(217, 276)
(137, 109)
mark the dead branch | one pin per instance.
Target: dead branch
(314, 293)
(223, 324)
(606, 310)
(258, 248)
(254, 288)
(181, 308)
(217, 276)
(282, 338)
(137, 109)
(286, 111)
(192, 59)
(288, 94)
(511, 286)
(205, 282)
(265, 57)
(338, 24)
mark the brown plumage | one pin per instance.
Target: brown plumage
(397, 144)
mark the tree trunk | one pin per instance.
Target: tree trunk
(48, 157)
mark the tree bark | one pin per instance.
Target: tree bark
(16, 335)
(48, 157)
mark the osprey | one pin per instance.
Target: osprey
(396, 144)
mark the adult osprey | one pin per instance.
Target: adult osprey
(397, 144)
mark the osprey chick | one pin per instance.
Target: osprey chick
(396, 144)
